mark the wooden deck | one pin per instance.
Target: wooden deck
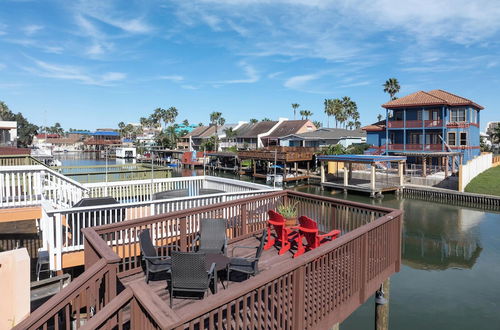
(269, 259)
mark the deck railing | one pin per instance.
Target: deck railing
(18, 160)
(318, 289)
(32, 184)
(63, 228)
(142, 190)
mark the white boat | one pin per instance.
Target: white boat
(270, 178)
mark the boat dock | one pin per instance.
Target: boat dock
(368, 181)
(287, 159)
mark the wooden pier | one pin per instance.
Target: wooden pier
(288, 157)
(371, 186)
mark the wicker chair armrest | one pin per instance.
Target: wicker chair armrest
(211, 272)
(196, 239)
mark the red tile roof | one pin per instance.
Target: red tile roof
(378, 126)
(434, 97)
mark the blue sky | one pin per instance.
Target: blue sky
(91, 64)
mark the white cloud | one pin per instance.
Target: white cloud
(251, 75)
(32, 29)
(174, 78)
(69, 72)
(106, 13)
(298, 82)
(43, 45)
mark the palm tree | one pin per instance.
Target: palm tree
(305, 114)
(349, 110)
(230, 134)
(317, 124)
(158, 115)
(379, 117)
(328, 111)
(185, 122)
(216, 119)
(295, 106)
(391, 87)
(254, 121)
(170, 115)
(266, 119)
(336, 110)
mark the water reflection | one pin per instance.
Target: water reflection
(438, 237)
(435, 236)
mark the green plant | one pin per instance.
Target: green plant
(288, 210)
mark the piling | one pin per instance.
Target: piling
(382, 310)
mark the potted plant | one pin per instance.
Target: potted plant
(289, 212)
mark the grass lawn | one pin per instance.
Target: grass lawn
(487, 182)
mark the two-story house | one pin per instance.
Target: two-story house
(426, 123)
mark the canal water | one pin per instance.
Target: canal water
(450, 277)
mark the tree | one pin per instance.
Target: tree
(317, 124)
(216, 119)
(305, 114)
(391, 87)
(254, 121)
(266, 119)
(25, 130)
(379, 117)
(230, 134)
(170, 115)
(295, 106)
(349, 111)
(337, 109)
(495, 136)
(185, 122)
(200, 124)
(328, 111)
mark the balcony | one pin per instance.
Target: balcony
(415, 147)
(313, 291)
(415, 124)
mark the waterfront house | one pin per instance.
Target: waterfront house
(8, 133)
(425, 124)
(324, 137)
(102, 138)
(285, 128)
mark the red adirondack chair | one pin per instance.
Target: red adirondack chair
(308, 228)
(283, 235)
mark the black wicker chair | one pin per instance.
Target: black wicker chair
(189, 274)
(212, 236)
(248, 266)
(154, 264)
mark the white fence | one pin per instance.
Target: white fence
(143, 190)
(62, 228)
(30, 185)
(473, 168)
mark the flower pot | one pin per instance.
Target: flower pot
(290, 222)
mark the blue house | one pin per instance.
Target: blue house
(435, 126)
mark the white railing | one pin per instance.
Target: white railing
(143, 190)
(63, 227)
(473, 168)
(32, 184)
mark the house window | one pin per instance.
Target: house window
(473, 116)
(415, 138)
(398, 115)
(457, 115)
(463, 138)
(452, 138)
(419, 115)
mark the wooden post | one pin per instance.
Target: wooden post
(424, 166)
(346, 176)
(373, 177)
(298, 302)
(446, 166)
(322, 167)
(296, 165)
(254, 165)
(400, 170)
(350, 171)
(453, 164)
(382, 311)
